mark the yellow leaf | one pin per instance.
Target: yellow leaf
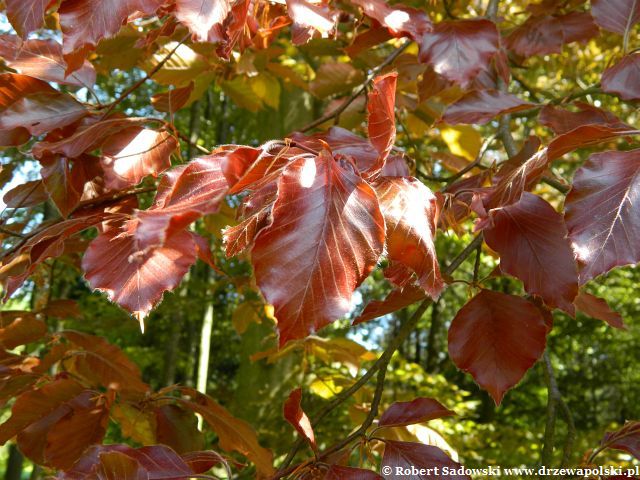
(243, 316)
(462, 140)
(325, 388)
(267, 88)
(135, 424)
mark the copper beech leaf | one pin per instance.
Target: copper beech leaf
(562, 121)
(396, 300)
(398, 19)
(626, 438)
(233, 433)
(102, 364)
(43, 59)
(338, 472)
(381, 119)
(622, 78)
(601, 212)
(204, 18)
(459, 50)
(496, 338)
(531, 238)
(597, 307)
(85, 22)
(26, 15)
(156, 462)
(294, 414)
(544, 34)
(172, 100)
(20, 328)
(310, 19)
(412, 458)
(136, 278)
(326, 237)
(410, 212)
(420, 410)
(481, 106)
(130, 155)
(616, 16)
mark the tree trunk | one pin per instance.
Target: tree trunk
(432, 347)
(14, 464)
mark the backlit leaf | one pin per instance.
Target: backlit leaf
(26, 15)
(616, 15)
(381, 121)
(410, 212)
(458, 50)
(294, 414)
(601, 212)
(326, 237)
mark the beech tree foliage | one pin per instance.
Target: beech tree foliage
(360, 189)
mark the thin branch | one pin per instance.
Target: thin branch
(380, 364)
(11, 233)
(193, 144)
(361, 89)
(137, 84)
(473, 164)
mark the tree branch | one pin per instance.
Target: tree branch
(361, 89)
(379, 366)
(137, 84)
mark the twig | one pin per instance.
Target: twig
(193, 144)
(380, 364)
(473, 164)
(361, 89)
(137, 84)
(11, 232)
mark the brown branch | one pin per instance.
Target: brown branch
(137, 84)
(546, 457)
(492, 10)
(11, 233)
(361, 89)
(379, 366)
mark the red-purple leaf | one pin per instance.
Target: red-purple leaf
(626, 439)
(63, 184)
(597, 307)
(622, 78)
(496, 338)
(43, 59)
(204, 18)
(326, 237)
(416, 461)
(85, 22)
(617, 16)
(26, 15)
(562, 121)
(410, 212)
(382, 119)
(42, 112)
(156, 462)
(337, 472)
(398, 19)
(397, 299)
(294, 414)
(481, 106)
(585, 136)
(310, 19)
(134, 153)
(544, 34)
(601, 212)
(134, 278)
(416, 411)
(459, 50)
(531, 238)
(239, 238)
